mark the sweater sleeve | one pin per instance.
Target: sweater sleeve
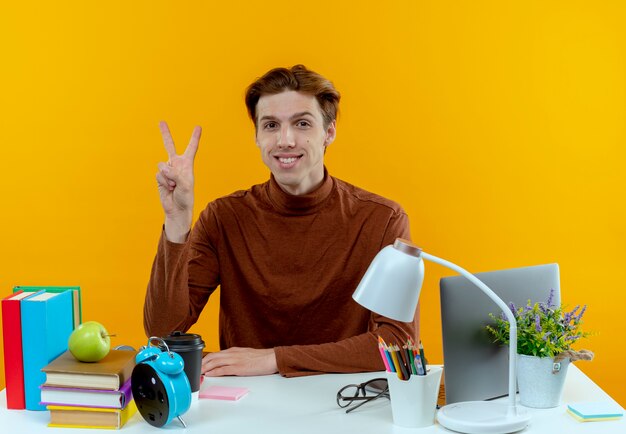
(183, 277)
(358, 353)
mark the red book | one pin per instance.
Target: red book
(12, 335)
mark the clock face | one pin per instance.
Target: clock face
(150, 395)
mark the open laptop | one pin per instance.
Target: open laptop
(475, 368)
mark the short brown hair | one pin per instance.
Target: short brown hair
(300, 79)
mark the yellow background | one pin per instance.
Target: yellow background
(499, 126)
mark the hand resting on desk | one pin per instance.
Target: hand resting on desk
(240, 361)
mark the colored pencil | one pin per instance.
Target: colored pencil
(411, 358)
(387, 355)
(384, 357)
(396, 363)
(406, 374)
(422, 357)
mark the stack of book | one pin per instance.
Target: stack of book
(89, 395)
(36, 324)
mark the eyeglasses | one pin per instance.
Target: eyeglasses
(364, 392)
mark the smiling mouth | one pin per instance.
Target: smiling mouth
(288, 160)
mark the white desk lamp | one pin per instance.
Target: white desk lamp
(391, 287)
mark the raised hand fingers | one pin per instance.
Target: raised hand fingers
(164, 182)
(192, 147)
(163, 178)
(167, 139)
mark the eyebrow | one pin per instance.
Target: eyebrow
(292, 117)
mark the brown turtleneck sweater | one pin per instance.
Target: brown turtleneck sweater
(287, 266)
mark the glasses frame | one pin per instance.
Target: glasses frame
(360, 394)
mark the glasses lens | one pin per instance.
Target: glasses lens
(375, 386)
(361, 393)
(347, 395)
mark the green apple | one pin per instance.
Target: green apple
(89, 342)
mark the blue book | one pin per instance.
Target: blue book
(47, 322)
(76, 303)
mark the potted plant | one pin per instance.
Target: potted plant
(545, 335)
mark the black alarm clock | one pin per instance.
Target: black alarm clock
(160, 386)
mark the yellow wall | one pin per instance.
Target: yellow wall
(499, 127)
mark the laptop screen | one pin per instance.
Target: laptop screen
(475, 368)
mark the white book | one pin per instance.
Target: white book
(86, 397)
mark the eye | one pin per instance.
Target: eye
(303, 124)
(270, 125)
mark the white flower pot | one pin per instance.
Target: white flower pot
(540, 381)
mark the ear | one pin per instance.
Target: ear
(331, 133)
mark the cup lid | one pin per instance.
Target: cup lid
(179, 341)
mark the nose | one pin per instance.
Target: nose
(286, 137)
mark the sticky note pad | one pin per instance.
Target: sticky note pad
(589, 419)
(595, 410)
(224, 393)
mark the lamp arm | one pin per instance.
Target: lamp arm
(507, 312)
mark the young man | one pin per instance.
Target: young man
(288, 253)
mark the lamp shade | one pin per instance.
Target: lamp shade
(392, 283)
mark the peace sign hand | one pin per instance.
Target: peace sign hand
(175, 181)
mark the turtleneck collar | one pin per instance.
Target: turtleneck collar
(301, 204)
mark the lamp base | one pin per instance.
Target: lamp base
(482, 417)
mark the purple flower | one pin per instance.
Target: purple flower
(538, 323)
(546, 336)
(581, 313)
(567, 318)
(512, 307)
(550, 298)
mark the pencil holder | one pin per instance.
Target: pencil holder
(414, 401)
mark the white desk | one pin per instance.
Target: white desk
(307, 405)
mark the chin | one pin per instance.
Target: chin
(291, 181)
